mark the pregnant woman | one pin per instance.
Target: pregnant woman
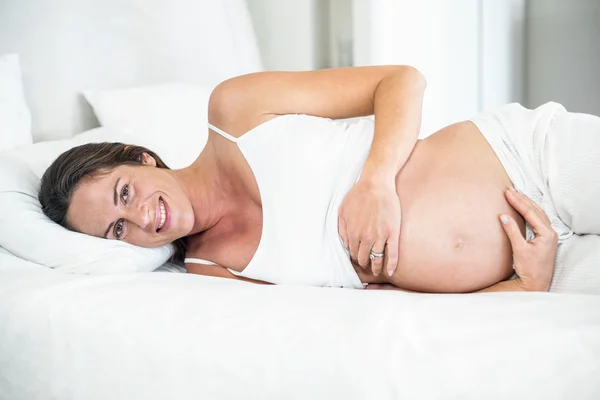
(283, 193)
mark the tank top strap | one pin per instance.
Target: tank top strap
(200, 261)
(223, 133)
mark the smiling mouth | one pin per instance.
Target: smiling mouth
(163, 214)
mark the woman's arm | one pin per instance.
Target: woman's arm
(387, 286)
(504, 286)
(514, 285)
(218, 271)
(394, 94)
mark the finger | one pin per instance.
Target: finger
(523, 205)
(517, 241)
(354, 244)
(363, 253)
(343, 231)
(377, 262)
(392, 253)
(544, 228)
(527, 200)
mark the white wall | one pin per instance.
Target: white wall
(469, 50)
(303, 34)
(440, 37)
(502, 50)
(340, 49)
(563, 46)
(287, 33)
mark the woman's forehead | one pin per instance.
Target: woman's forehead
(92, 202)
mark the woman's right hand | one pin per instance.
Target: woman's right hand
(534, 259)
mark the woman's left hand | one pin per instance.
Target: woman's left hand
(533, 259)
(369, 221)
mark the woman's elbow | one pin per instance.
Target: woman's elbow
(413, 74)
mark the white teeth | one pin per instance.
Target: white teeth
(163, 214)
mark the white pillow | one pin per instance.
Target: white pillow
(15, 118)
(29, 234)
(153, 114)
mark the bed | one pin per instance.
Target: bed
(97, 329)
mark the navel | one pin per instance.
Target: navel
(459, 244)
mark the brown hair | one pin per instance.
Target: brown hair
(69, 170)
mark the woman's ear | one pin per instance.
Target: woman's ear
(147, 159)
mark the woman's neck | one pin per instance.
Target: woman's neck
(208, 190)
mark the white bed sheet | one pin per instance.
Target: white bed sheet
(177, 336)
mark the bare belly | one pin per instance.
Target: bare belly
(451, 191)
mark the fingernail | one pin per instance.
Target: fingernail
(390, 272)
(504, 219)
(512, 189)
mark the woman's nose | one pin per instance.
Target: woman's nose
(141, 216)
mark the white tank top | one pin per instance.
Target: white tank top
(303, 166)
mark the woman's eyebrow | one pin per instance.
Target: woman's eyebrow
(108, 230)
(115, 199)
(116, 196)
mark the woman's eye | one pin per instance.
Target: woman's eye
(119, 229)
(125, 193)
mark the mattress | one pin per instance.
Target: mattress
(165, 335)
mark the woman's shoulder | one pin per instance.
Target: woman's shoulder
(230, 111)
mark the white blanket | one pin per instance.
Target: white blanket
(178, 336)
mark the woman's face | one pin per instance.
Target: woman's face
(141, 205)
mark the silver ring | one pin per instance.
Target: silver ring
(375, 255)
